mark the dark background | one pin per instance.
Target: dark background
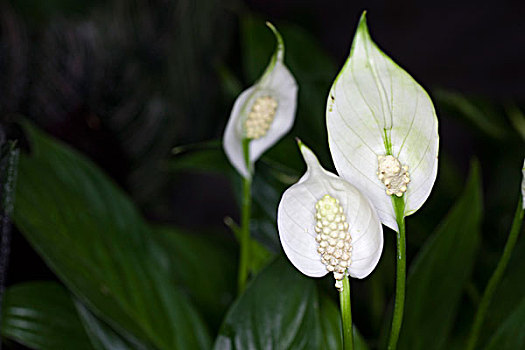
(125, 81)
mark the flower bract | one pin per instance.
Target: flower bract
(326, 225)
(382, 129)
(262, 114)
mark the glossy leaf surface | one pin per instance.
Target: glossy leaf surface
(282, 309)
(42, 316)
(94, 239)
(441, 271)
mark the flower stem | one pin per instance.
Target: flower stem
(346, 315)
(245, 224)
(399, 304)
(496, 277)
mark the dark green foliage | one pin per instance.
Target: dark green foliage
(511, 333)
(131, 284)
(42, 315)
(282, 309)
(94, 239)
(441, 271)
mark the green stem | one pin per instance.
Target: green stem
(244, 262)
(496, 277)
(399, 304)
(346, 315)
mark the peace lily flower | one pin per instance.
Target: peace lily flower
(262, 114)
(382, 129)
(326, 225)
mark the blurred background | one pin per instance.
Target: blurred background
(132, 83)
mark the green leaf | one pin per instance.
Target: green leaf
(101, 335)
(508, 294)
(94, 239)
(206, 156)
(511, 334)
(280, 309)
(41, 315)
(441, 271)
(259, 255)
(330, 319)
(477, 112)
(517, 119)
(204, 265)
(231, 86)
(277, 311)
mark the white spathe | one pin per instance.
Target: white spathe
(375, 108)
(276, 82)
(296, 221)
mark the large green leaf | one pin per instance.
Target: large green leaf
(206, 156)
(330, 319)
(508, 294)
(478, 112)
(282, 309)
(41, 315)
(277, 311)
(205, 265)
(92, 236)
(441, 271)
(511, 334)
(101, 335)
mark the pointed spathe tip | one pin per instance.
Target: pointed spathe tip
(299, 142)
(278, 37)
(305, 151)
(302, 147)
(362, 23)
(309, 156)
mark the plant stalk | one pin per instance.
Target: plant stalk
(346, 315)
(496, 277)
(399, 304)
(246, 205)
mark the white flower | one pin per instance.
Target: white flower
(326, 225)
(262, 114)
(382, 129)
